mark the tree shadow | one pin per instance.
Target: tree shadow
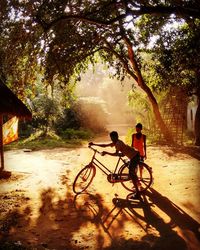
(182, 232)
(189, 227)
(193, 151)
(5, 174)
(61, 223)
(166, 238)
(111, 220)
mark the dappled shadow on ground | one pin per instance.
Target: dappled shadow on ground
(168, 238)
(53, 227)
(4, 174)
(188, 227)
(85, 221)
(193, 151)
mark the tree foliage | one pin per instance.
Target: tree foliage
(173, 62)
(63, 37)
(176, 58)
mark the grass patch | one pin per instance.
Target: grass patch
(45, 143)
(50, 140)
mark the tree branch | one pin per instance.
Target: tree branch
(109, 47)
(166, 10)
(157, 10)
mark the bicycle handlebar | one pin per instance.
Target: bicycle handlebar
(95, 150)
(101, 153)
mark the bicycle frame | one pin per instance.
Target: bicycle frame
(101, 166)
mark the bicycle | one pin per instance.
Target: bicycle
(120, 175)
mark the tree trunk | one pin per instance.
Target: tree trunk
(1, 143)
(138, 77)
(167, 135)
(197, 125)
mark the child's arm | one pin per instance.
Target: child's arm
(101, 145)
(117, 153)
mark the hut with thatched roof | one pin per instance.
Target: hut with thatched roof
(12, 106)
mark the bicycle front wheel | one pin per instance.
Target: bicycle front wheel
(84, 179)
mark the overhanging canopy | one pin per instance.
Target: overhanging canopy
(10, 104)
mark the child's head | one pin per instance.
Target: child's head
(138, 127)
(114, 136)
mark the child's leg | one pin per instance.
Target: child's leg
(141, 167)
(132, 171)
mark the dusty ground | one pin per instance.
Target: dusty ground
(39, 209)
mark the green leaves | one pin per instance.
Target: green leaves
(64, 36)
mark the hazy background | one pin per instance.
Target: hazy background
(110, 94)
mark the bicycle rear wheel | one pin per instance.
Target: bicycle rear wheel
(144, 174)
(84, 178)
(126, 180)
(145, 177)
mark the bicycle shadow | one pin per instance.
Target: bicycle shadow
(189, 227)
(92, 209)
(180, 233)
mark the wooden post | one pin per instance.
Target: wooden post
(1, 142)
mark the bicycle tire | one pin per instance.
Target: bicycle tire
(128, 184)
(145, 180)
(84, 178)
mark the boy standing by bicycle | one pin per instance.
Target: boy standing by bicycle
(125, 150)
(139, 142)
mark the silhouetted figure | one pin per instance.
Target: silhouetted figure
(124, 150)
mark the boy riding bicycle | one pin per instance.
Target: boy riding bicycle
(125, 150)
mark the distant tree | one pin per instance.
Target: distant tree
(45, 112)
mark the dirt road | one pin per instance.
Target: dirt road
(39, 209)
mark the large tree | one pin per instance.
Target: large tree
(182, 56)
(175, 56)
(67, 35)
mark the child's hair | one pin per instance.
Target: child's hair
(114, 134)
(139, 125)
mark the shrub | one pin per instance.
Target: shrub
(76, 134)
